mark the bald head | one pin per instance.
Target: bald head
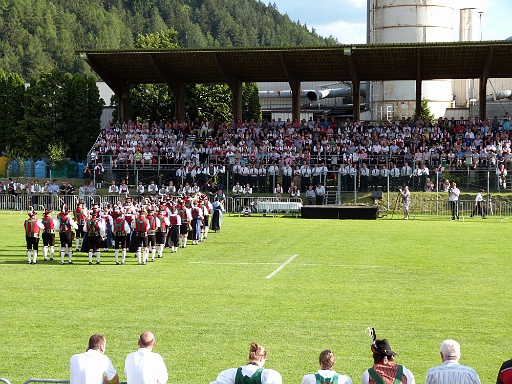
(147, 340)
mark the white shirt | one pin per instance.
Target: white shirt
(145, 367)
(268, 376)
(89, 367)
(451, 372)
(311, 379)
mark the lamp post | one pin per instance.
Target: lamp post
(480, 18)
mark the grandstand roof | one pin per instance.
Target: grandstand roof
(425, 61)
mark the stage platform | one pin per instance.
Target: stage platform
(339, 212)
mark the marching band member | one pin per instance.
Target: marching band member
(121, 234)
(95, 229)
(50, 224)
(161, 230)
(65, 226)
(32, 229)
(80, 216)
(141, 227)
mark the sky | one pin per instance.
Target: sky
(346, 19)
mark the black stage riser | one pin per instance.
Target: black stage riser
(339, 212)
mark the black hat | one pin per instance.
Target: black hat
(381, 347)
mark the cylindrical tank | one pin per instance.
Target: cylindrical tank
(410, 21)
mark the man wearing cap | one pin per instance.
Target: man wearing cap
(95, 229)
(121, 233)
(450, 371)
(66, 225)
(141, 227)
(50, 224)
(161, 230)
(80, 216)
(32, 229)
(385, 370)
(154, 224)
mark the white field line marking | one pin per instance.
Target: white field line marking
(282, 266)
(298, 264)
(239, 263)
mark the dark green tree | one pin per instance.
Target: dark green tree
(251, 106)
(12, 96)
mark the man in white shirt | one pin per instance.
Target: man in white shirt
(453, 198)
(92, 366)
(144, 366)
(450, 371)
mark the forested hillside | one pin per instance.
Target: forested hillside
(38, 35)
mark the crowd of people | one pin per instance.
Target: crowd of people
(147, 367)
(267, 152)
(145, 227)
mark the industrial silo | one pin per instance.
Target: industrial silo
(409, 21)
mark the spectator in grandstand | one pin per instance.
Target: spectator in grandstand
(253, 371)
(145, 366)
(310, 196)
(319, 194)
(92, 366)
(453, 198)
(113, 189)
(326, 373)
(385, 370)
(450, 371)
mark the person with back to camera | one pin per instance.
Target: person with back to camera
(93, 366)
(479, 209)
(385, 370)
(145, 366)
(450, 371)
(406, 200)
(326, 374)
(505, 373)
(453, 198)
(253, 372)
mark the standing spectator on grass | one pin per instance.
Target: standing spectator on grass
(93, 366)
(385, 370)
(479, 209)
(406, 200)
(326, 373)
(145, 366)
(450, 371)
(252, 372)
(453, 198)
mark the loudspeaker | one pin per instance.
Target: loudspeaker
(376, 194)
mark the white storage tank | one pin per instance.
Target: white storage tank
(410, 21)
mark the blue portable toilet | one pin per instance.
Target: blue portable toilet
(14, 168)
(28, 168)
(80, 170)
(40, 169)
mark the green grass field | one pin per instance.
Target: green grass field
(417, 282)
